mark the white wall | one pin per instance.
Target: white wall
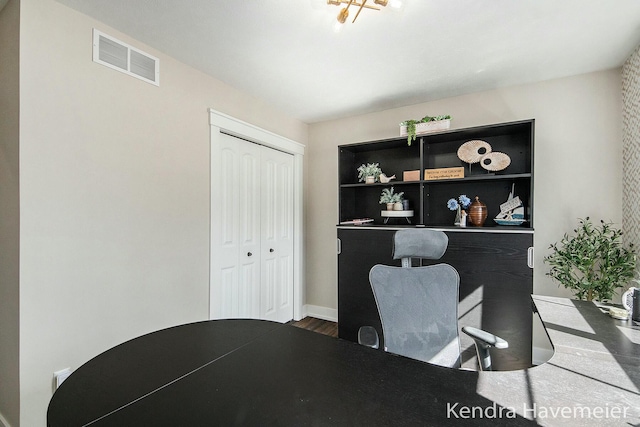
(114, 196)
(578, 162)
(9, 212)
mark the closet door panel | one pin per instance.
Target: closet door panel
(277, 235)
(249, 231)
(237, 294)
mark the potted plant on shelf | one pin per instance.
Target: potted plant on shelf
(411, 128)
(593, 262)
(369, 173)
(390, 198)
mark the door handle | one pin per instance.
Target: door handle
(249, 254)
(271, 250)
(530, 257)
(339, 246)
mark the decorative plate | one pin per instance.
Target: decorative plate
(495, 161)
(472, 151)
(514, 221)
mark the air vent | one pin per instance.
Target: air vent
(120, 56)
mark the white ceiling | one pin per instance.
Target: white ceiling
(286, 52)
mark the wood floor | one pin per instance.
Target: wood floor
(324, 327)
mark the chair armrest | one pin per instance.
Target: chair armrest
(485, 337)
(484, 341)
(367, 335)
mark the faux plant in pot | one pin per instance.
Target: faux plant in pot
(593, 262)
(412, 125)
(390, 198)
(369, 173)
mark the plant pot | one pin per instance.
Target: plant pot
(428, 127)
(477, 213)
(397, 206)
(370, 180)
(390, 206)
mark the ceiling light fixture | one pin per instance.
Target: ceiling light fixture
(360, 4)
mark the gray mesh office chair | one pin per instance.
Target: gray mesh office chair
(419, 306)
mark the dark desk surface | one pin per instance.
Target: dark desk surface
(248, 372)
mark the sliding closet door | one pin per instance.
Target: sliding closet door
(236, 292)
(277, 235)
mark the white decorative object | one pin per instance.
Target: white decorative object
(463, 218)
(511, 211)
(479, 151)
(396, 214)
(473, 151)
(495, 161)
(385, 179)
(618, 313)
(627, 299)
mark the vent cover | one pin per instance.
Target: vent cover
(120, 56)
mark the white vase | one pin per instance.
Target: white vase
(370, 180)
(389, 206)
(397, 206)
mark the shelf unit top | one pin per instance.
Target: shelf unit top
(486, 131)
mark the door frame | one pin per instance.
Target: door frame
(221, 123)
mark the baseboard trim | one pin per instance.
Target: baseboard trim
(324, 313)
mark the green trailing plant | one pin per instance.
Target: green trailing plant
(592, 262)
(388, 196)
(411, 129)
(370, 169)
(411, 125)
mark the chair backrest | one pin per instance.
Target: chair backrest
(419, 311)
(419, 306)
(419, 243)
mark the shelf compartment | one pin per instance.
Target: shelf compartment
(393, 156)
(513, 139)
(363, 202)
(491, 193)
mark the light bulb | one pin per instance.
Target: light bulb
(343, 15)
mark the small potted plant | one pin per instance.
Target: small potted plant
(411, 128)
(390, 198)
(593, 262)
(369, 173)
